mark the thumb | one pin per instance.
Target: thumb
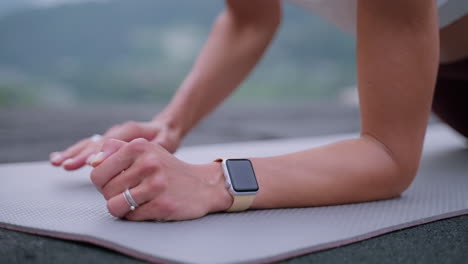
(131, 130)
(109, 147)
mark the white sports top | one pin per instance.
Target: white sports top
(343, 12)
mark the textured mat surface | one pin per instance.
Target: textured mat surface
(40, 199)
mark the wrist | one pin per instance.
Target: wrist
(171, 124)
(220, 198)
(183, 112)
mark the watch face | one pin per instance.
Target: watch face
(242, 175)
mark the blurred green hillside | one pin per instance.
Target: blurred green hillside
(140, 51)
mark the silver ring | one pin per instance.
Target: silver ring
(95, 138)
(130, 201)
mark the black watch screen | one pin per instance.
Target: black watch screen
(242, 175)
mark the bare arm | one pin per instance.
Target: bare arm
(397, 63)
(239, 38)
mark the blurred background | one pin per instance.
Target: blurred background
(64, 52)
(72, 68)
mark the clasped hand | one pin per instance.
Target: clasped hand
(164, 187)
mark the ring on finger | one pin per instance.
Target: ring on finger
(130, 201)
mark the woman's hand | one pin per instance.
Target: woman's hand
(156, 131)
(164, 187)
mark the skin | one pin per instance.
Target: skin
(165, 187)
(398, 54)
(157, 131)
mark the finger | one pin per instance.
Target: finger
(57, 158)
(118, 205)
(126, 179)
(157, 209)
(109, 147)
(81, 158)
(110, 132)
(114, 163)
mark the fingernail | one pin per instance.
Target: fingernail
(96, 138)
(55, 157)
(97, 159)
(90, 158)
(68, 161)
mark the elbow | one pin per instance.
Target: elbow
(392, 182)
(402, 181)
(396, 170)
(401, 176)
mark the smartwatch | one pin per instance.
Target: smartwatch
(241, 182)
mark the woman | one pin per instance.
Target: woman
(397, 58)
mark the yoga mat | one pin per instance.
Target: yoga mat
(37, 198)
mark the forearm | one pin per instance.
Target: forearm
(354, 170)
(235, 45)
(397, 63)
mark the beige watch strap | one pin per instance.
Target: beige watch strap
(240, 202)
